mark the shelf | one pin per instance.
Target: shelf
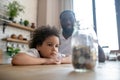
(20, 26)
(15, 40)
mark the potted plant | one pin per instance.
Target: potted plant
(11, 51)
(26, 22)
(14, 9)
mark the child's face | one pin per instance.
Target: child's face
(49, 47)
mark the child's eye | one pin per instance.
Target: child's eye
(57, 46)
(49, 44)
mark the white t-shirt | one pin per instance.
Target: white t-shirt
(65, 46)
(33, 52)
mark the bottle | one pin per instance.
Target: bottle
(84, 50)
(21, 21)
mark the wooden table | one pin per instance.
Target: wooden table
(105, 71)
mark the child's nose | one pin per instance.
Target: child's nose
(54, 48)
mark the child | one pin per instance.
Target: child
(43, 49)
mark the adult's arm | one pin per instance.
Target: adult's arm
(66, 60)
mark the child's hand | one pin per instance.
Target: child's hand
(52, 61)
(56, 58)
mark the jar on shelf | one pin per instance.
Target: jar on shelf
(33, 25)
(13, 36)
(84, 50)
(20, 37)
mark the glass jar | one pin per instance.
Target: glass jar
(84, 50)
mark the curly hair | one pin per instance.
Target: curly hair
(41, 33)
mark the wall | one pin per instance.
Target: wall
(53, 13)
(42, 11)
(48, 12)
(29, 14)
(30, 10)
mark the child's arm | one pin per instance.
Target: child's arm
(66, 59)
(24, 59)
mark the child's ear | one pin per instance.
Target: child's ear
(38, 47)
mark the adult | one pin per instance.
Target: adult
(67, 21)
